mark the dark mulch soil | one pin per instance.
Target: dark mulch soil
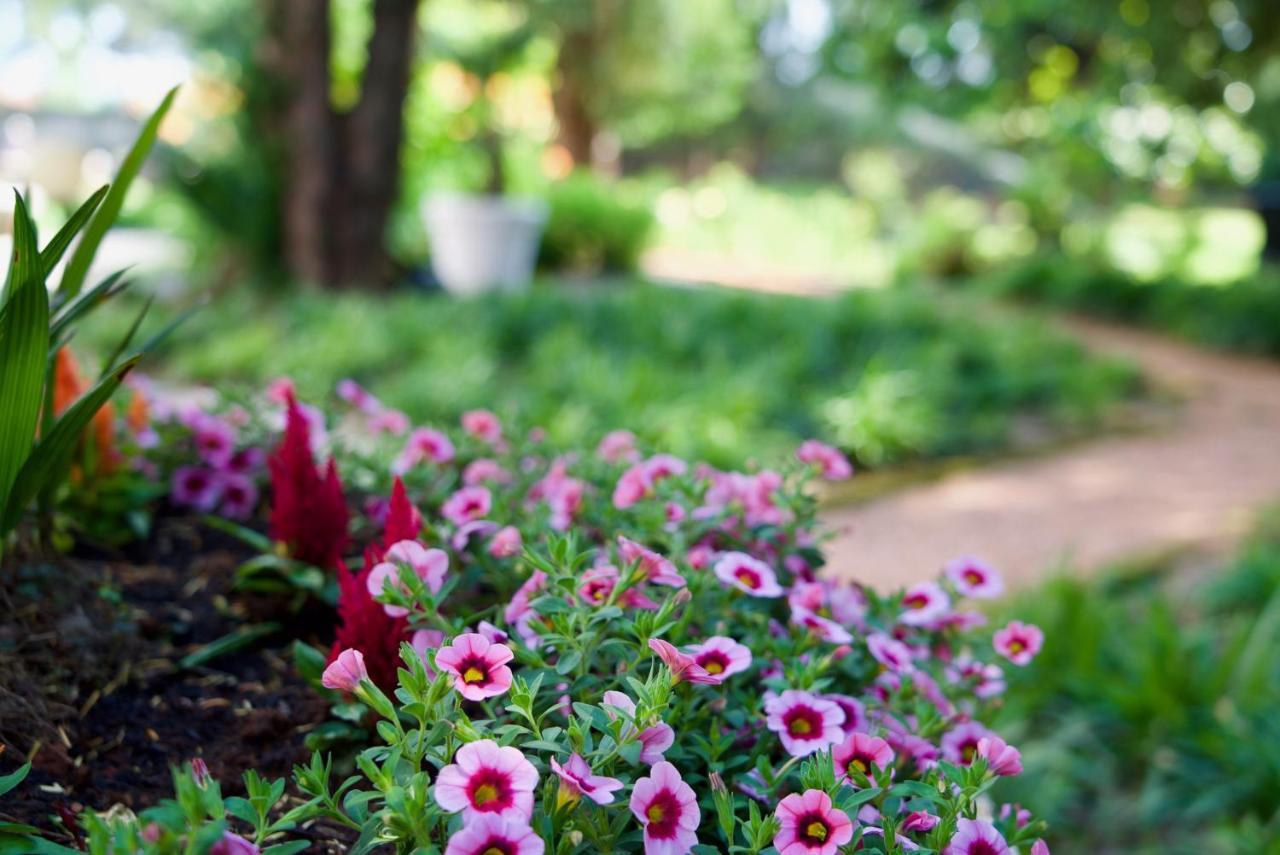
(90, 676)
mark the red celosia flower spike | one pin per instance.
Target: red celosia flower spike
(403, 520)
(309, 513)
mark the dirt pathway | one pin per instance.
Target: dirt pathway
(1195, 483)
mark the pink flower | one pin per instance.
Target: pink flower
(423, 444)
(519, 613)
(924, 603)
(668, 809)
(657, 569)
(654, 741)
(488, 779)
(491, 833)
(393, 422)
(233, 844)
(215, 440)
(856, 756)
(811, 825)
(617, 446)
(834, 465)
(469, 503)
(976, 837)
(479, 667)
(1039, 848)
(598, 584)
(467, 530)
(721, 657)
(345, 672)
(662, 466)
(1019, 642)
(747, 574)
(683, 667)
(484, 425)
(246, 461)
(196, 487)
(632, 486)
(358, 396)
(424, 641)
(855, 714)
(429, 565)
(1002, 758)
(239, 496)
(974, 578)
(805, 722)
(890, 652)
(479, 471)
(280, 390)
(506, 543)
(576, 780)
(960, 744)
(919, 821)
(823, 628)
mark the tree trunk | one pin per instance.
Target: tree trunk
(577, 127)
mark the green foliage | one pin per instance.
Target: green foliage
(1149, 725)
(592, 226)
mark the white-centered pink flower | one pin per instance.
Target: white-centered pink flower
(858, 756)
(976, 837)
(1018, 642)
(479, 666)
(749, 575)
(924, 604)
(429, 565)
(488, 779)
(805, 722)
(975, 578)
(668, 809)
(577, 780)
(491, 834)
(345, 672)
(833, 465)
(721, 656)
(811, 825)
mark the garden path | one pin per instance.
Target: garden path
(1194, 483)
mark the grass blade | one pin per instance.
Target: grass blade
(52, 253)
(89, 300)
(128, 338)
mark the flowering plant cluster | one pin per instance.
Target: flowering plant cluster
(614, 652)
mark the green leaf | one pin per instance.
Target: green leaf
(52, 253)
(310, 661)
(57, 444)
(14, 778)
(84, 303)
(124, 343)
(287, 848)
(229, 643)
(78, 267)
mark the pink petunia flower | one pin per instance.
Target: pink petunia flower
(856, 755)
(576, 781)
(805, 722)
(490, 833)
(890, 653)
(721, 656)
(855, 713)
(479, 471)
(231, 843)
(668, 809)
(345, 672)
(618, 446)
(483, 425)
(486, 779)
(479, 667)
(923, 604)
(215, 440)
(1039, 848)
(1019, 642)
(429, 565)
(239, 496)
(960, 744)
(247, 461)
(468, 530)
(423, 641)
(358, 396)
(389, 421)
(423, 444)
(506, 542)
(919, 821)
(633, 486)
(973, 577)
(749, 575)
(1002, 758)
(811, 825)
(654, 741)
(976, 837)
(820, 627)
(657, 569)
(833, 465)
(467, 504)
(196, 487)
(683, 667)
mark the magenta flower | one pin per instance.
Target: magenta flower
(654, 741)
(576, 781)
(747, 574)
(468, 530)
(1039, 848)
(429, 565)
(423, 641)
(215, 440)
(486, 779)
(974, 578)
(721, 656)
(479, 471)
(923, 604)
(811, 825)
(233, 844)
(506, 542)
(833, 465)
(1018, 642)
(196, 487)
(657, 569)
(668, 809)
(855, 713)
(858, 754)
(423, 444)
(359, 397)
(823, 628)
(490, 833)
(483, 425)
(919, 821)
(891, 653)
(683, 667)
(618, 446)
(469, 503)
(805, 722)
(976, 837)
(345, 672)
(479, 667)
(1002, 758)
(239, 496)
(960, 743)
(632, 486)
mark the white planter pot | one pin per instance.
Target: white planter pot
(483, 243)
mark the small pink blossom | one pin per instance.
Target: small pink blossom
(1039, 848)
(683, 667)
(919, 821)
(668, 809)
(467, 504)
(576, 780)
(479, 471)
(424, 444)
(632, 486)
(239, 496)
(491, 833)
(506, 542)
(857, 756)
(488, 779)
(823, 628)
(654, 741)
(811, 825)
(833, 465)
(618, 446)
(721, 656)
(389, 421)
(423, 641)
(358, 396)
(1019, 642)
(233, 844)
(429, 565)
(483, 425)
(974, 578)
(923, 604)
(976, 837)
(657, 569)
(196, 487)
(1002, 758)
(215, 440)
(855, 713)
(960, 744)
(479, 667)
(749, 575)
(345, 672)
(805, 722)
(468, 530)
(890, 652)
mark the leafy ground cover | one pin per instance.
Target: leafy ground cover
(890, 376)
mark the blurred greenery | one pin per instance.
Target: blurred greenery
(1148, 722)
(893, 375)
(594, 225)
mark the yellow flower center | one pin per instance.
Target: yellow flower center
(655, 813)
(800, 726)
(973, 577)
(1016, 647)
(473, 675)
(493, 850)
(857, 765)
(816, 831)
(484, 794)
(714, 667)
(748, 578)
